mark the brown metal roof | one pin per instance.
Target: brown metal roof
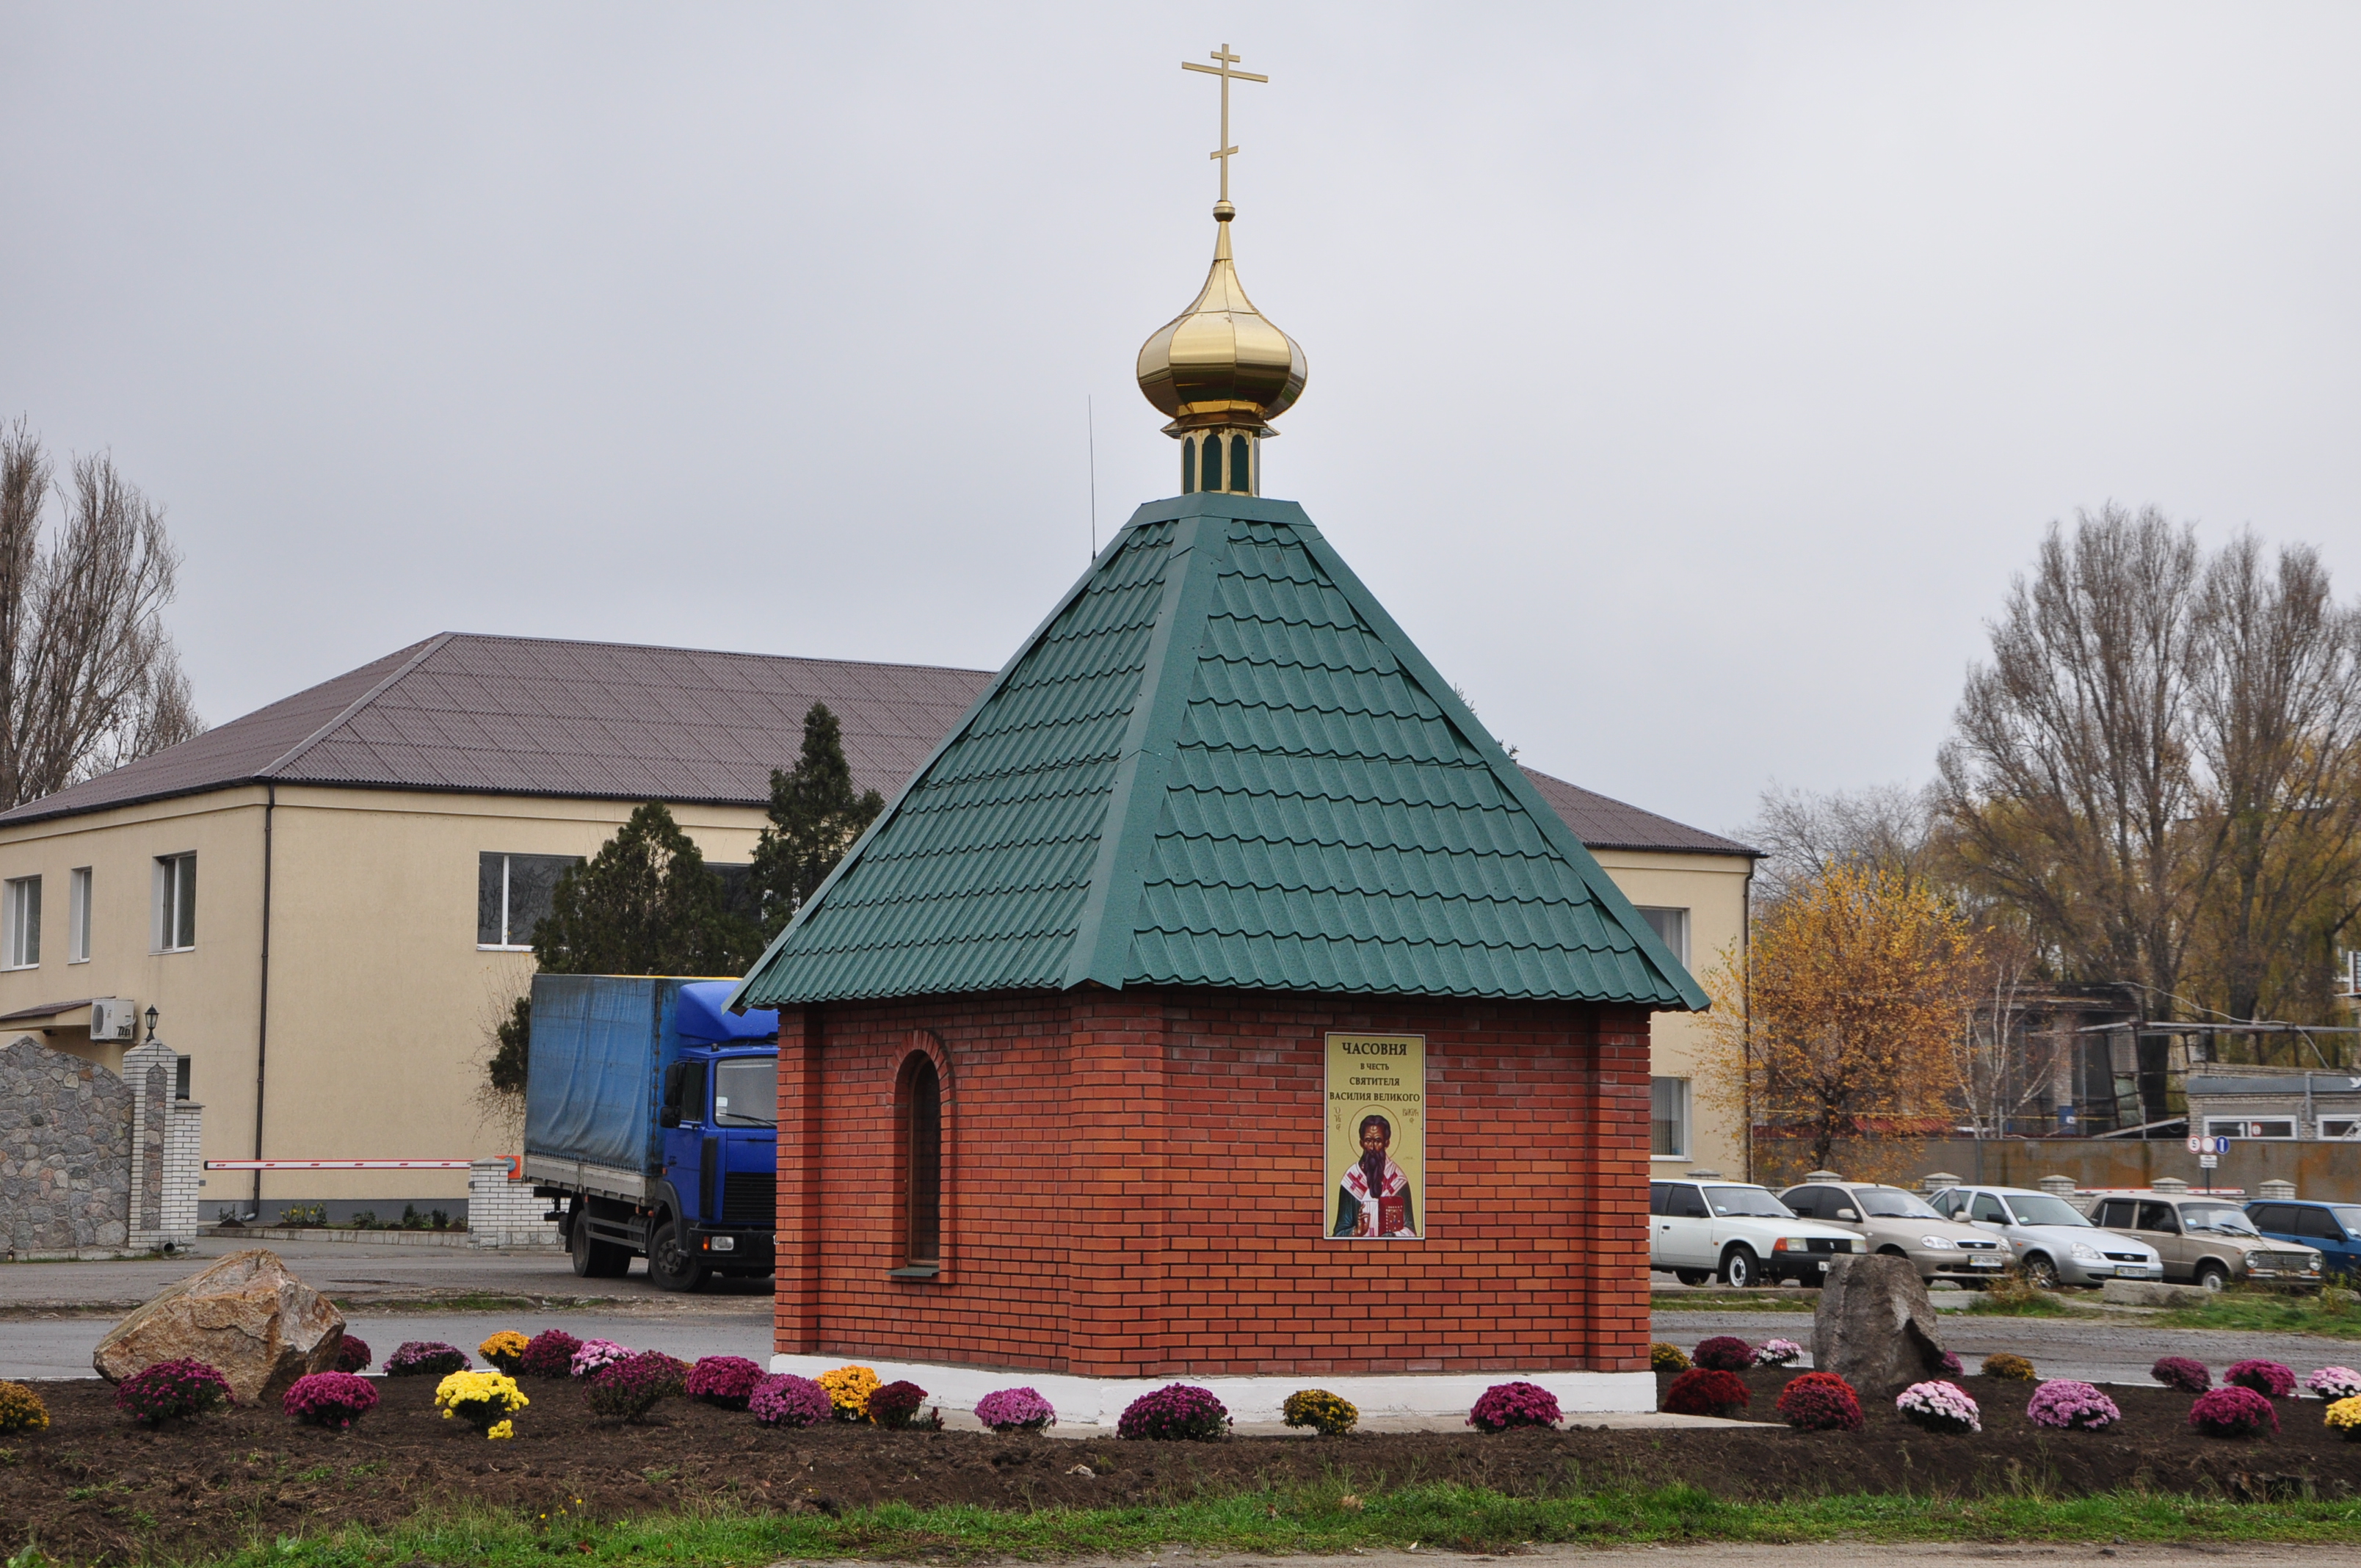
(463, 713)
(526, 716)
(1602, 823)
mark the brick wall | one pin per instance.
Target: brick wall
(504, 1212)
(1134, 1186)
(166, 1139)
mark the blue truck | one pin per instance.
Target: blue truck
(651, 1120)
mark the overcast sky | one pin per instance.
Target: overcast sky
(1689, 380)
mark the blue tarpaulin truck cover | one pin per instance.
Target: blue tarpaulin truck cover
(595, 1061)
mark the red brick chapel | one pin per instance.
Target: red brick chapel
(1219, 1002)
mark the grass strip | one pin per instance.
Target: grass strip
(1322, 1520)
(2331, 1313)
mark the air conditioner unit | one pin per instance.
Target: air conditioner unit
(112, 1018)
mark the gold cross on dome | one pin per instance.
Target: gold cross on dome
(1223, 70)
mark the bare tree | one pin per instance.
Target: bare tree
(2276, 699)
(2157, 770)
(88, 679)
(1886, 827)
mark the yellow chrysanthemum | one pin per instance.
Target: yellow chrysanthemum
(504, 1349)
(505, 1428)
(2343, 1418)
(849, 1389)
(482, 1399)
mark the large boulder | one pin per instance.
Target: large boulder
(246, 1315)
(1875, 1328)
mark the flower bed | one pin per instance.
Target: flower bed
(550, 1354)
(1508, 1405)
(1724, 1352)
(2233, 1411)
(176, 1390)
(330, 1400)
(1707, 1391)
(2065, 1405)
(1176, 1412)
(724, 1380)
(1820, 1401)
(2271, 1379)
(786, 1400)
(1330, 1415)
(1022, 1410)
(425, 1358)
(1939, 1407)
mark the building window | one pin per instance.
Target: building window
(78, 916)
(2250, 1127)
(175, 902)
(1672, 929)
(1668, 1118)
(1239, 467)
(24, 920)
(2340, 1126)
(180, 1078)
(1209, 475)
(513, 894)
(922, 1163)
(1189, 465)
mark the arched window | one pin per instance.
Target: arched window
(1189, 465)
(1209, 475)
(1241, 468)
(922, 1164)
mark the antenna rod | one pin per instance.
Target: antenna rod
(1091, 424)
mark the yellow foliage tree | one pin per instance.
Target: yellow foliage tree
(1844, 1017)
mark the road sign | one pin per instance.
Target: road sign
(2208, 1161)
(2209, 1146)
(2196, 1143)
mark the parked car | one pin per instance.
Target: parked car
(2053, 1241)
(1737, 1230)
(1890, 1219)
(2332, 1229)
(2206, 1241)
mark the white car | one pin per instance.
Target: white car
(1737, 1230)
(2054, 1243)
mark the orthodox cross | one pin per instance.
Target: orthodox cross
(1223, 70)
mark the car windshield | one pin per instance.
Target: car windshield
(2216, 1217)
(2040, 1208)
(745, 1092)
(2349, 1218)
(1893, 1203)
(1747, 1202)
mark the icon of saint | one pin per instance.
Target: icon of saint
(1373, 1200)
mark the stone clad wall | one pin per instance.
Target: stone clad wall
(65, 1151)
(166, 1162)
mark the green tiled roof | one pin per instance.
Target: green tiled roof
(1220, 762)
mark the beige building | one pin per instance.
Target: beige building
(330, 901)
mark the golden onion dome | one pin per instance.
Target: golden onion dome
(1221, 363)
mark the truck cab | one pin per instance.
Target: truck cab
(717, 1194)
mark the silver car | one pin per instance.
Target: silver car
(1900, 1223)
(2053, 1243)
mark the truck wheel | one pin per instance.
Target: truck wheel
(594, 1260)
(2212, 1276)
(669, 1262)
(1738, 1269)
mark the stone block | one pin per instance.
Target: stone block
(245, 1315)
(1875, 1327)
(2152, 1293)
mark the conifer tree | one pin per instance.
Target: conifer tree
(815, 814)
(644, 904)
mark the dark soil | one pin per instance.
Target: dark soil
(96, 1487)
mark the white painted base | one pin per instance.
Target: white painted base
(1099, 1401)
